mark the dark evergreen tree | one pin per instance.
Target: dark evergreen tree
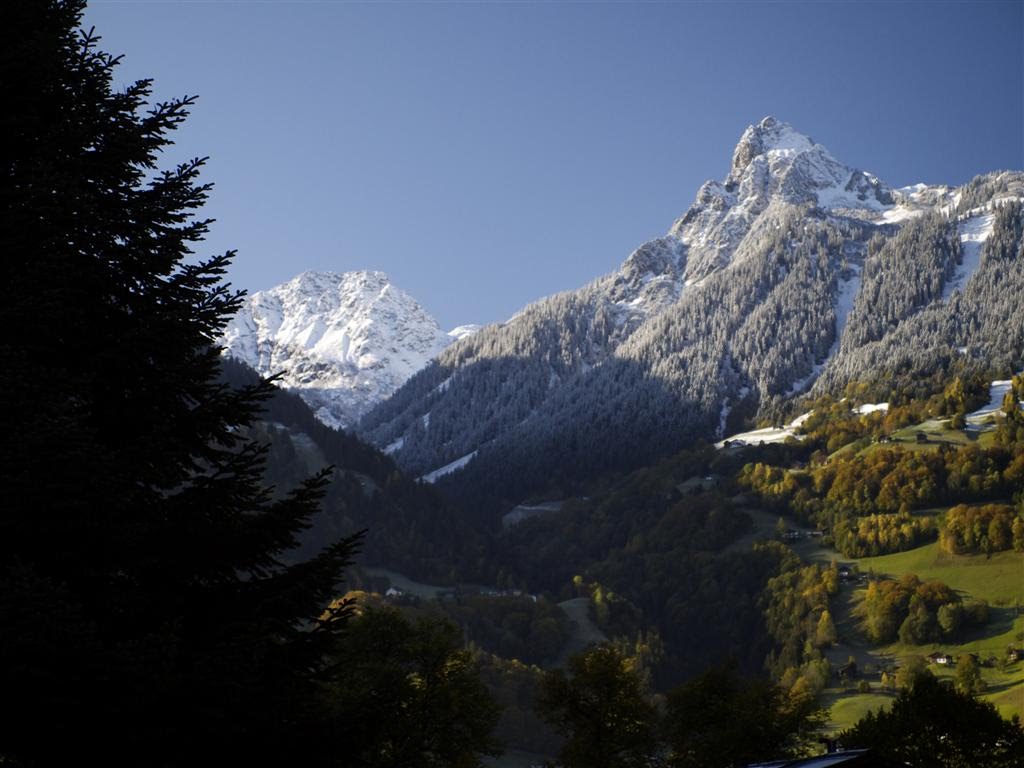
(147, 618)
(602, 709)
(410, 696)
(721, 719)
(933, 724)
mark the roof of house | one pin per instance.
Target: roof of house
(847, 758)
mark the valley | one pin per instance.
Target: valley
(738, 482)
(614, 605)
(764, 430)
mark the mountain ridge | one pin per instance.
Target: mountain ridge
(744, 303)
(343, 341)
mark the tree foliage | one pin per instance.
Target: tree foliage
(935, 725)
(602, 709)
(408, 695)
(720, 719)
(148, 615)
(916, 612)
(985, 528)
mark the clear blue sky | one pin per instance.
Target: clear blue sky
(487, 154)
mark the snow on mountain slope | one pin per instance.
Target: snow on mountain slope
(916, 200)
(771, 163)
(343, 341)
(448, 468)
(767, 435)
(844, 299)
(973, 234)
(461, 332)
(982, 418)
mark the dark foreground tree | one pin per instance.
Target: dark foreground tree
(721, 720)
(602, 709)
(409, 695)
(935, 725)
(146, 617)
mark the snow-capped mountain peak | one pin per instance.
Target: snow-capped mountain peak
(773, 165)
(344, 341)
(767, 137)
(774, 160)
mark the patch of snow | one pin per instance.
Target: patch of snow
(871, 408)
(996, 393)
(913, 189)
(799, 420)
(836, 195)
(760, 437)
(802, 384)
(781, 434)
(464, 331)
(526, 511)
(899, 213)
(845, 297)
(425, 420)
(780, 137)
(695, 282)
(973, 234)
(447, 469)
(395, 446)
(844, 301)
(723, 414)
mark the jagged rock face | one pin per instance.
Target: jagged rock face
(343, 341)
(771, 164)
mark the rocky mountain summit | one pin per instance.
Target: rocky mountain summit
(772, 164)
(344, 341)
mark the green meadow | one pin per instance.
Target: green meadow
(997, 579)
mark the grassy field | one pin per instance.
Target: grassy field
(846, 709)
(938, 433)
(998, 579)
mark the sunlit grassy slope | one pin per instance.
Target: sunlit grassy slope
(998, 579)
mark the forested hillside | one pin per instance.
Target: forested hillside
(778, 281)
(409, 526)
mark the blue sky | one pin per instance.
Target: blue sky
(487, 154)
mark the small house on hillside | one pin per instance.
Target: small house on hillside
(940, 657)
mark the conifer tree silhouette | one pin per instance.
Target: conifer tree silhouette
(146, 614)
